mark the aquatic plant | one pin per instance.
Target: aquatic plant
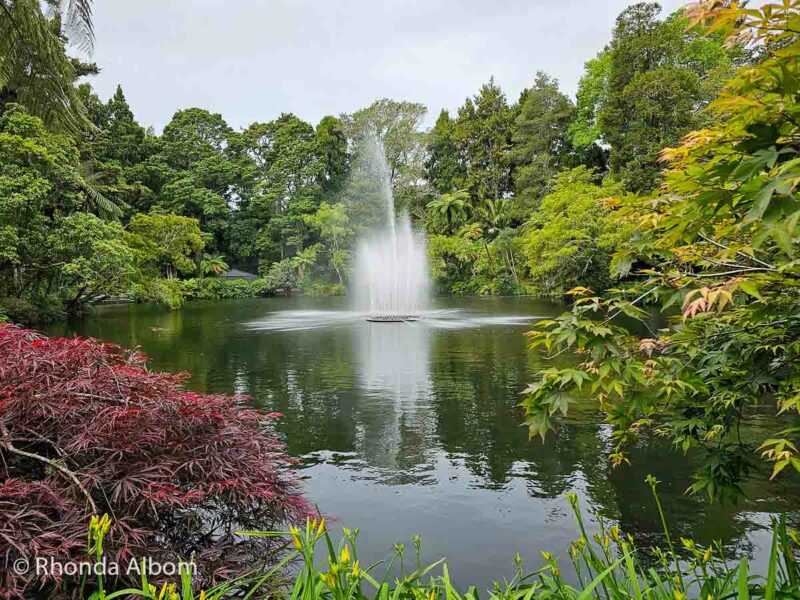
(86, 428)
(606, 565)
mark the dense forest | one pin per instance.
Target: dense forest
(95, 204)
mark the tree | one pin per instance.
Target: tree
(305, 259)
(449, 211)
(721, 241)
(34, 68)
(396, 128)
(332, 141)
(541, 143)
(167, 243)
(444, 168)
(285, 173)
(333, 224)
(180, 472)
(585, 134)
(483, 131)
(658, 76)
(113, 156)
(95, 257)
(198, 170)
(213, 264)
(570, 239)
(51, 249)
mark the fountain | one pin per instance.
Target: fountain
(391, 268)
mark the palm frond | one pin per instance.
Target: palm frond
(78, 22)
(34, 66)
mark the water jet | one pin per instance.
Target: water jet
(391, 269)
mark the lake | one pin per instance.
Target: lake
(413, 428)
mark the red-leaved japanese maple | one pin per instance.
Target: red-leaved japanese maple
(86, 428)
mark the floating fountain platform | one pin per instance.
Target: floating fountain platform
(392, 318)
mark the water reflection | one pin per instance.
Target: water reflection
(394, 361)
(414, 427)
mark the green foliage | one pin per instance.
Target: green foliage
(585, 130)
(155, 289)
(336, 233)
(541, 142)
(34, 69)
(213, 264)
(51, 249)
(280, 277)
(483, 133)
(167, 243)
(197, 170)
(444, 168)
(397, 126)
(721, 242)
(448, 212)
(606, 565)
(570, 239)
(285, 173)
(214, 288)
(644, 90)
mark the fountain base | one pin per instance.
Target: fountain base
(391, 318)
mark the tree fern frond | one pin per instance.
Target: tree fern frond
(34, 69)
(78, 22)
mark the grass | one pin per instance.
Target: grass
(606, 567)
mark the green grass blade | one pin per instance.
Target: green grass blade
(744, 588)
(587, 592)
(769, 590)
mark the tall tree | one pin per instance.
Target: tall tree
(541, 142)
(113, 152)
(444, 167)
(286, 171)
(198, 171)
(332, 139)
(483, 132)
(659, 75)
(585, 134)
(396, 127)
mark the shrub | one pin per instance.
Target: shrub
(570, 239)
(280, 277)
(86, 428)
(322, 288)
(211, 288)
(164, 291)
(25, 312)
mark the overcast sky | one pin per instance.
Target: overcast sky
(251, 60)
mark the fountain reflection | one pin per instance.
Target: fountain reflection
(395, 361)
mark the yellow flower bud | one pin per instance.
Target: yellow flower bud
(344, 556)
(296, 537)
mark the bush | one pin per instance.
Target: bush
(25, 312)
(280, 277)
(163, 291)
(86, 429)
(212, 288)
(322, 288)
(571, 238)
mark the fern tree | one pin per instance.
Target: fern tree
(34, 68)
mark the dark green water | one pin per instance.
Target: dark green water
(413, 427)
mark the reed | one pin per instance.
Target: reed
(606, 565)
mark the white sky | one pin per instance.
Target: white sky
(253, 59)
